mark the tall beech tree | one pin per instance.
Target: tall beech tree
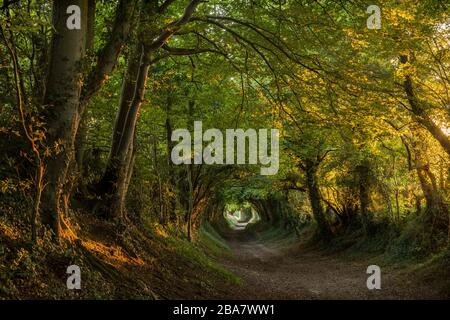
(62, 101)
(69, 89)
(113, 186)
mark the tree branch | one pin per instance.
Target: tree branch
(187, 51)
(171, 28)
(107, 56)
(282, 47)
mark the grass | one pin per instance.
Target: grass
(194, 253)
(212, 242)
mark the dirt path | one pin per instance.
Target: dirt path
(274, 271)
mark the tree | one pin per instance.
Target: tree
(66, 97)
(62, 97)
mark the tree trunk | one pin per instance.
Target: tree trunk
(132, 116)
(61, 101)
(157, 170)
(421, 116)
(90, 25)
(191, 200)
(108, 187)
(110, 174)
(107, 57)
(397, 205)
(433, 200)
(314, 198)
(418, 204)
(172, 172)
(364, 199)
(118, 201)
(82, 126)
(149, 43)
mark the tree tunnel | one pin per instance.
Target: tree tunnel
(238, 218)
(255, 215)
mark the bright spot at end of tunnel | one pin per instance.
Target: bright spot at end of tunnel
(238, 218)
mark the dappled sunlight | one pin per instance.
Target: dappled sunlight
(8, 231)
(68, 231)
(445, 129)
(111, 252)
(160, 231)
